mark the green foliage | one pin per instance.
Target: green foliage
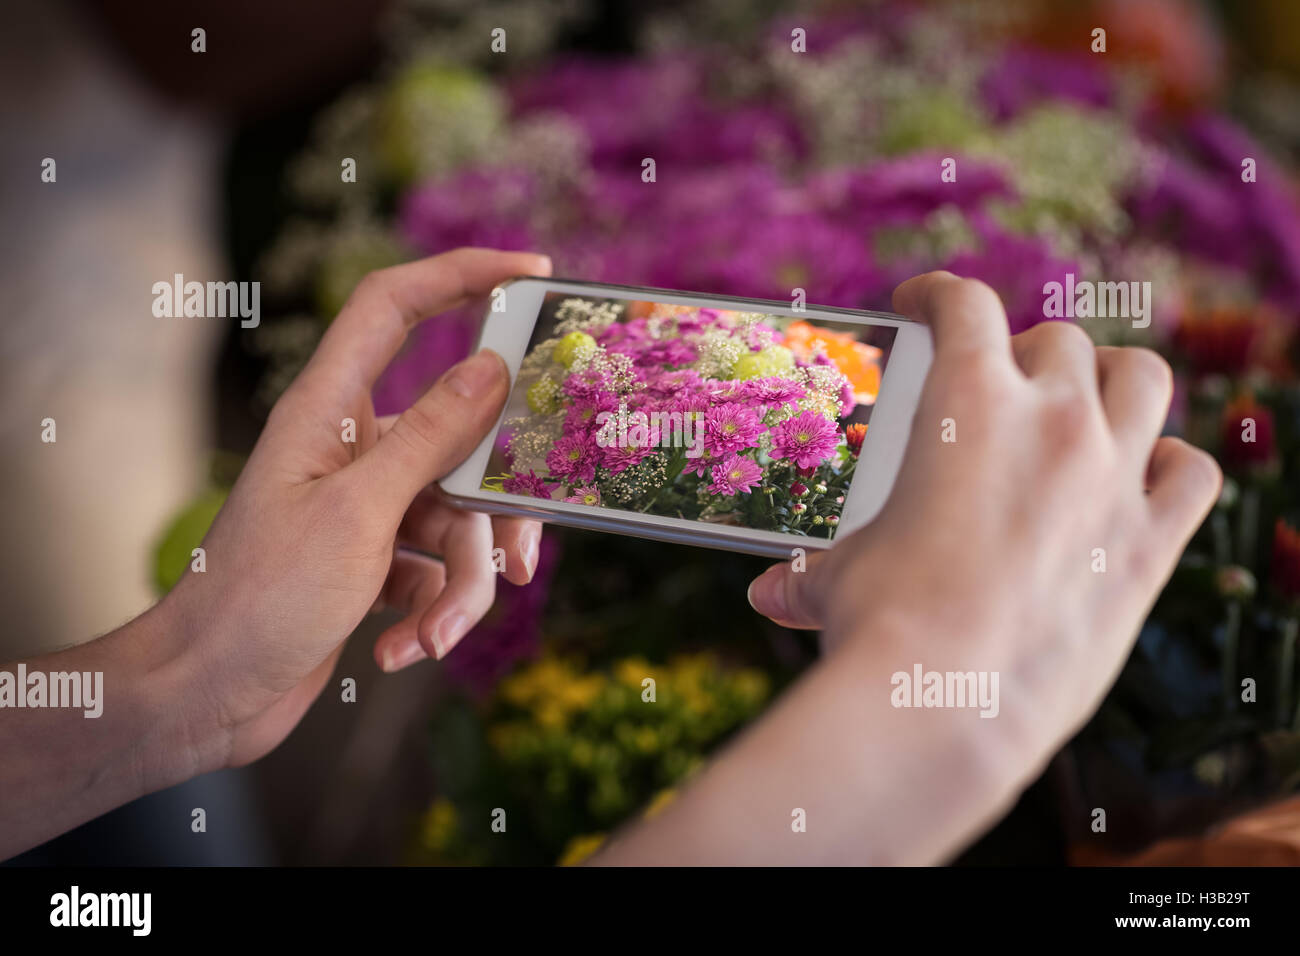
(185, 533)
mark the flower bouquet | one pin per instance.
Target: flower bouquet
(708, 414)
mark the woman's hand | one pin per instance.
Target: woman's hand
(315, 532)
(1036, 542)
(1030, 548)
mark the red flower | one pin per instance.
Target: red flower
(1286, 561)
(1219, 340)
(1247, 435)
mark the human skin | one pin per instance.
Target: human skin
(220, 671)
(982, 560)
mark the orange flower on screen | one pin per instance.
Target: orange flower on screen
(859, 362)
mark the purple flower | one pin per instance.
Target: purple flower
(619, 458)
(632, 109)
(573, 458)
(735, 474)
(431, 349)
(766, 256)
(1198, 201)
(699, 465)
(587, 385)
(731, 427)
(727, 390)
(807, 439)
(1021, 78)
(530, 484)
(671, 384)
(904, 190)
(472, 208)
(776, 391)
(580, 418)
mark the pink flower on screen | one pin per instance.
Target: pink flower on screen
(731, 427)
(807, 439)
(574, 459)
(530, 485)
(589, 495)
(735, 474)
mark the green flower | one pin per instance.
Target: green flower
(436, 118)
(571, 348)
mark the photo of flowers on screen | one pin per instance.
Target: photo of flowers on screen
(729, 417)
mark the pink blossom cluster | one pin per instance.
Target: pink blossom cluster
(672, 374)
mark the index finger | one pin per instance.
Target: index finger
(965, 315)
(388, 303)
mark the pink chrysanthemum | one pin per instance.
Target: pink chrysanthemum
(530, 484)
(735, 474)
(728, 390)
(589, 496)
(573, 458)
(580, 418)
(776, 391)
(621, 456)
(587, 384)
(731, 427)
(807, 439)
(699, 465)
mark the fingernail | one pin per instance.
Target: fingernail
(403, 655)
(530, 547)
(546, 265)
(477, 375)
(766, 594)
(448, 635)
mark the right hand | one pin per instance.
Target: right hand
(984, 556)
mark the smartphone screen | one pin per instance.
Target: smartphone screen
(643, 407)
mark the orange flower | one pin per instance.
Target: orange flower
(854, 435)
(859, 362)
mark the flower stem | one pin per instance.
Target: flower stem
(1288, 668)
(1231, 639)
(1247, 527)
(1222, 538)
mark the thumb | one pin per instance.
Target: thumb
(790, 597)
(439, 431)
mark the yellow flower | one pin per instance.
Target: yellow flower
(659, 802)
(438, 828)
(580, 848)
(632, 671)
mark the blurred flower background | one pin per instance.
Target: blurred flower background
(1168, 158)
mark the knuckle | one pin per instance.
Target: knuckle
(418, 427)
(374, 285)
(965, 294)
(1149, 366)
(1205, 468)
(1142, 563)
(1067, 335)
(1068, 417)
(975, 375)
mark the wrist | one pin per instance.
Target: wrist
(191, 738)
(963, 771)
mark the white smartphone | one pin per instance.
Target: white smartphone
(742, 424)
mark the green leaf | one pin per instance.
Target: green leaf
(185, 533)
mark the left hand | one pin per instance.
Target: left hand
(315, 532)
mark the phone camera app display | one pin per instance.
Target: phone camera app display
(729, 417)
